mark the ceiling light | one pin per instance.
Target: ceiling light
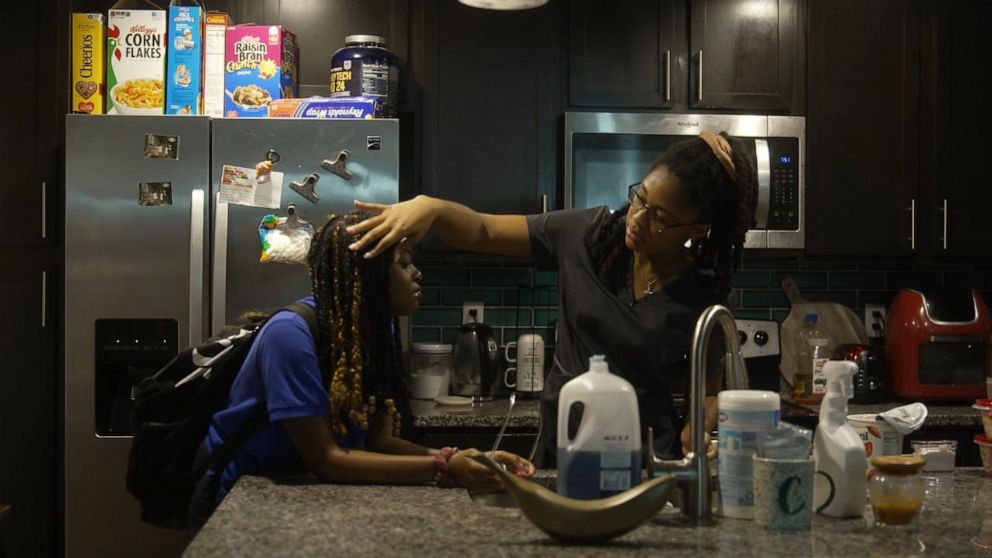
(504, 4)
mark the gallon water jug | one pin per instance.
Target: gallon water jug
(602, 454)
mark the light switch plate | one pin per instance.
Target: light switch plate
(480, 314)
(871, 320)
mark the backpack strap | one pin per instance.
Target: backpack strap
(223, 455)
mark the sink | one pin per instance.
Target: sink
(500, 499)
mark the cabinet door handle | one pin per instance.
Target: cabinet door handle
(945, 224)
(699, 77)
(44, 299)
(544, 203)
(912, 224)
(668, 75)
(44, 210)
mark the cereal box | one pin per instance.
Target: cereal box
(213, 63)
(184, 72)
(87, 64)
(323, 107)
(136, 61)
(260, 66)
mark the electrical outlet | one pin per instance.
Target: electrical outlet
(468, 307)
(875, 325)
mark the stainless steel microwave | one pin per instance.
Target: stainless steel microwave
(605, 152)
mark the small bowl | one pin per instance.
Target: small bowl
(985, 446)
(134, 111)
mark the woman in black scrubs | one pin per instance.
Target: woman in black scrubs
(632, 283)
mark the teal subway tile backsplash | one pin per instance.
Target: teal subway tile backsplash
(456, 296)
(856, 280)
(437, 316)
(505, 286)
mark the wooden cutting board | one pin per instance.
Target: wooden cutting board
(840, 324)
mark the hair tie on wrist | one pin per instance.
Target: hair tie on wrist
(721, 150)
(442, 476)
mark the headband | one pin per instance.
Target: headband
(721, 150)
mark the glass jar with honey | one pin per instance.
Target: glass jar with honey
(897, 489)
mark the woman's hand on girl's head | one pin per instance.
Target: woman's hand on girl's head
(408, 220)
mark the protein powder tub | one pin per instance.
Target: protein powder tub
(366, 68)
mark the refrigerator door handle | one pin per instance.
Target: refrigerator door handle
(219, 299)
(763, 158)
(196, 267)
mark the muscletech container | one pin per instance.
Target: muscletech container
(366, 68)
(603, 457)
(742, 415)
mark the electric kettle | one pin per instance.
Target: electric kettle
(475, 361)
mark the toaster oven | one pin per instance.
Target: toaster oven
(938, 344)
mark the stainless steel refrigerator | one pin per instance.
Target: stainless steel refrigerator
(154, 263)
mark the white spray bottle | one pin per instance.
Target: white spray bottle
(839, 489)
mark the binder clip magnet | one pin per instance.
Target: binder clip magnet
(307, 187)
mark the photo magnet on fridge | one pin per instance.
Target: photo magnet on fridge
(154, 193)
(161, 147)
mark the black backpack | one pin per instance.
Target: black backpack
(172, 411)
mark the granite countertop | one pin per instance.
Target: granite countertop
(300, 517)
(488, 414)
(526, 414)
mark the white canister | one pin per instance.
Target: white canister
(880, 437)
(742, 415)
(430, 370)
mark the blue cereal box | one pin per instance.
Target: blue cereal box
(260, 66)
(184, 74)
(323, 107)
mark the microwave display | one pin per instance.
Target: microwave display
(953, 362)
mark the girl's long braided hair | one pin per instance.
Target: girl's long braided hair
(727, 204)
(358, 345)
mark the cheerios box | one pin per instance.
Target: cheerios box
(87, 64)
(136, 52)
(183, 88)
(260, 65)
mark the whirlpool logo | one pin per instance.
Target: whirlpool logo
(688, 124)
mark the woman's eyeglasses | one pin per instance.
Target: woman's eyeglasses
(639, 203)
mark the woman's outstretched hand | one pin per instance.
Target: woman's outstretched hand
(469, 473)
(406, 221)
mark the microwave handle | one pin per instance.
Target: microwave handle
(763, 158)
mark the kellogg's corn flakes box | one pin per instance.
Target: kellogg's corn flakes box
(260, 66)
(183, 91)
(136, 61)
(87, 64)
(214, 44)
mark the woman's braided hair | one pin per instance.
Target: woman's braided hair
(358, 346)
(727, 204)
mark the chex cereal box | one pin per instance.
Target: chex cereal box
(323, 107)
(260, 66)
(136, 61)
(214, 43)
(87, 64)
(184, 65)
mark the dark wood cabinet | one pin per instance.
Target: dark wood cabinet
(28, 408)
(744, 54)
(632, 56)
(955, 135)
(862, 128)
(490, 105)
(682, 54)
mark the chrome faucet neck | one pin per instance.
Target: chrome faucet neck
(693, 470)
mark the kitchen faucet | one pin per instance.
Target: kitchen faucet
(693, 472)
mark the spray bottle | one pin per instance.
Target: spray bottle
(601, 455)
(839, 488)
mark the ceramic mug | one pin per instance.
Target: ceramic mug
(529, 363)
(783, 492)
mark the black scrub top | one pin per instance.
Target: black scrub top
(646, 341)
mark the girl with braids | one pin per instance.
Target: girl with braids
(632, 283)
(332, 403)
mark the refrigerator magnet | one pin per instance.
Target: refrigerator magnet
(154, 193)
(158, 146)
(239, 185)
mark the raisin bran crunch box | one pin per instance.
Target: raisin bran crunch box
(136, 61)
(260, 66)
